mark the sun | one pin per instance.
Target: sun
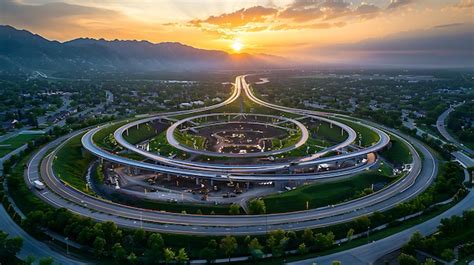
(237, 45)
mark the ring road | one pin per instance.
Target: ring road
(61, 195)
(173, 142)
(203, 169)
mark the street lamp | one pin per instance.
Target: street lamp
(368, 233)
(67, 245)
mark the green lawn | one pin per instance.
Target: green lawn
(397, 153)
(71, 163)
(364, 134)
(326, 133)
(173, 207)
(385, 169)
(190, 140)
(15, 142)
(291, 139)
(321, 194)
(104, 137)
(160, 145)
(144, 132)
(310, 147)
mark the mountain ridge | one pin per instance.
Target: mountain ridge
(22, 50)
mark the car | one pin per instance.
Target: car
(39, 185)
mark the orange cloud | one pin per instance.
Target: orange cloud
(239, 18)
(301, 14)
(465, 4)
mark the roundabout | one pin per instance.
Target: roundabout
(241, 170)
(240, 134)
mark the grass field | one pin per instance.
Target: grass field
(71, 163)
(144, 132)
(321, 194)
(325, 132)
(175, 207)
(15, 142)
(366, 136)
(190, 140)
(104, 137)
(398, 153)
(160, 145)
(310, 147)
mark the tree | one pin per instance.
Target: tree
(132, 258)
(293, 239)
(302, 249)
(169, 255)
(414, 243)
(405, 259)
(349, 235)
(9, 247)
(257, 206)
(30, 259)
(447, 254)
(254, 244)
(46, 261)
(156, 240)
(118, 253)
(329, 239)
(111, 232)
(362, 223)
(234, 209)
(99, 246)
(308, 237)
(429, 261)
(155, 244)
(182, 257)
(228, 245)
(212, 244)
(139, 236)
(209, 254)
(336, 262)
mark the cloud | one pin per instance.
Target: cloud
(465, 4)
(19, 13)
(299, 15)
(321, 25)
(367, 11)
(395, 4)
(241, 17)
(449, 25)
(302, 11)
(64, 21)
(443, 45)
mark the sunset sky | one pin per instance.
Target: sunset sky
(296, 29)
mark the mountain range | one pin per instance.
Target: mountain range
(21, 50)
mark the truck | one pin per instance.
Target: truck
(38, 185)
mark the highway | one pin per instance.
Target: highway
(215, 171)
(60, 195)
(31, 246)
(441, 126)
(369, 253)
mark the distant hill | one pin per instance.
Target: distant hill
(21, 50)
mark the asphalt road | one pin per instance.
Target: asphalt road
(31, 246)
(239, 172)
(60, 195)
(369, 253)
(441, 125)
